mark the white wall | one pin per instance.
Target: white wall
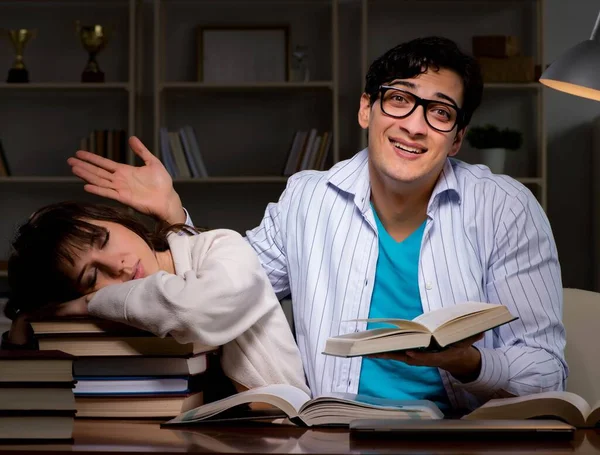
(569, 153)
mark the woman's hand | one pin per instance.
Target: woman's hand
(20, 328)
(148, 188)
(73, 308)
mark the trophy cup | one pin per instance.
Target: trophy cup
(94, 38)
(19, 37)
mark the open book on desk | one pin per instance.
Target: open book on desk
(566, 406)
(430, 331)
(299, 408)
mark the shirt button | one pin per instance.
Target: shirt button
(366, 282)
(428, 286)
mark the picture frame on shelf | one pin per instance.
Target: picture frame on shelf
(243, 54)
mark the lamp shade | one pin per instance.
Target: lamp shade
(577, 71)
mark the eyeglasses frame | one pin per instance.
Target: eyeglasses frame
(420, 102)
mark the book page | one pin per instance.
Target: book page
(367, 401)
(437, 318)
(403, 324)
(342, 408)
(593, 419)
(563, 404)
(572, 398)
(283, 396)
(372, 334)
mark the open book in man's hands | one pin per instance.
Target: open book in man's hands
(299, 408)
(566, 406)
(429, 331)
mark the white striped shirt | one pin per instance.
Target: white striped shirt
(486, 239)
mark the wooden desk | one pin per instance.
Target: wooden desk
(98, 437)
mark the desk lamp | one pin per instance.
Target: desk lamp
(577, 71)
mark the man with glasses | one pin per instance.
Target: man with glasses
(401, 229)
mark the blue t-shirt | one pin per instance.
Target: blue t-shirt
(396, 295)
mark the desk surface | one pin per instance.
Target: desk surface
(97, 437)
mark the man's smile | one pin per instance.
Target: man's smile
(415, 149)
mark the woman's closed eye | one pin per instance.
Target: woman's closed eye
(105, 239)
(92, 280)
(93, 277)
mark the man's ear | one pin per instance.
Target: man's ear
(364, 111)
(457, 142)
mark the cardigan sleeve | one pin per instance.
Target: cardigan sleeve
(225, 294)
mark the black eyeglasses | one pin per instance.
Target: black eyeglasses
(399, 103)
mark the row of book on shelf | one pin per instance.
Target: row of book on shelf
(107, 143)
(180, 153)
(181, 156)
(111, 144)
(309, 150)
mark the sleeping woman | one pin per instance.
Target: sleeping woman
(206, 287)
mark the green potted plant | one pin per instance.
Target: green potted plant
(493, 144)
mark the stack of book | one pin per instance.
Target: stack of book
(124, 372)
(36, 395)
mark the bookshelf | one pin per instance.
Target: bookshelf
(42, 121)
(224, 115)
(244, 129)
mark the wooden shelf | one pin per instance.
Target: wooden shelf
(224, 179)
(512, 85)
(254, 2)
(208, 86)
(278, 179)
(40, 179)
(55, 3)
(249, 179)
(530, 180)
(66, 86)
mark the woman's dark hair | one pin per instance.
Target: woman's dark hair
(44, 243)
(415, 57)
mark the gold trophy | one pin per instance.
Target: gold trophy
(19, 37)
(94, 38)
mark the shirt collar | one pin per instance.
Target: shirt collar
(447, 183)
(352, 177)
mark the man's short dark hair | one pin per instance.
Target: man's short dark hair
(415, 57)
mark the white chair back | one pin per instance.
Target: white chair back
(581, 317)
